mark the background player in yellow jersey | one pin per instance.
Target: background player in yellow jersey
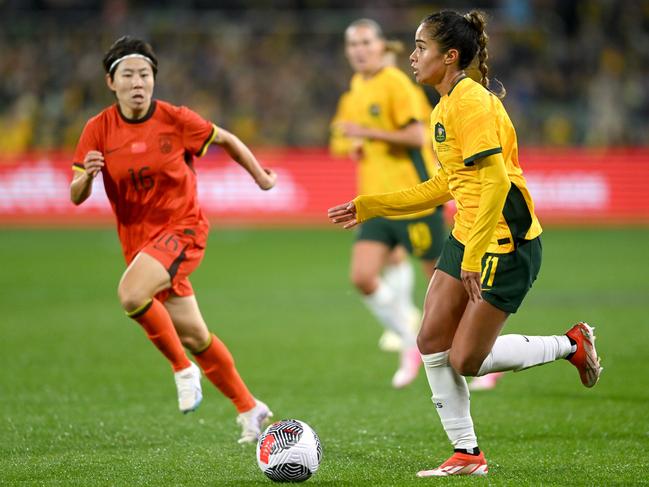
(398, 272)
(379, 122)
(494, 253)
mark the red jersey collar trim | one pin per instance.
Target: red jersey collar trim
(146, 117)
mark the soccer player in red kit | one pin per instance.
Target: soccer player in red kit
(145, 150)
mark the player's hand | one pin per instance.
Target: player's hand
(93, 162)
(350, 129)
(356, 150)
(344, 214)
(472, 284)
(268, 180)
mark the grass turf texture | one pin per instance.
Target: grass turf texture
(86, 400)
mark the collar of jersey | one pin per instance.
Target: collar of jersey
(455, 84)
(146, 117)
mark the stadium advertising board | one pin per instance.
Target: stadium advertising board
(569, 186)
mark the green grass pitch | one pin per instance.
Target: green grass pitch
(86, 400)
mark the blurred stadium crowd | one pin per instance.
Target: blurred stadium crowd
(576, 71)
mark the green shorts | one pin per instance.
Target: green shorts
(506, 278)
(423, 237)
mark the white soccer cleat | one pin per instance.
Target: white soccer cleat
(408, 369)
(188, 384)
(485, 382)
(252, 422)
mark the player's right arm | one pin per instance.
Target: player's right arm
(81, 185)
(423, 196)
(339, 145)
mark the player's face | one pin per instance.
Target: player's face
(364, 49)
(428, 63)
(133, 86)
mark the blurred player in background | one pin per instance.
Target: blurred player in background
(145, 150)
(494, 253)
(380, 124)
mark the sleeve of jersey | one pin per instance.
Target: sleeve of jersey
(405, 102)
(476, 131)
(198, 133)
(87, 142)
(423, 196)
(494, 186)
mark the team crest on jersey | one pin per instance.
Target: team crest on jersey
(375, 110)
(440, 132)
(164, 142)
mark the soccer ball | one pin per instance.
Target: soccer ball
(289, 451)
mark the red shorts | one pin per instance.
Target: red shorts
(180, 252)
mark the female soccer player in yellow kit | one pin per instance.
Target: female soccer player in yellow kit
(494, 253)
(379, 122)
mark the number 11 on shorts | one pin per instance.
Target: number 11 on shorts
(489, 271)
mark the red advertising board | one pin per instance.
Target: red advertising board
(572, 186)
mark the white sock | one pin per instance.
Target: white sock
(383, 303)
(401, 279)
(519, 352)
(451, 399)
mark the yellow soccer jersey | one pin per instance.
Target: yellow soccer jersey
(468, 124)
(387, 101)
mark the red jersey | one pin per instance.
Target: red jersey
(148, 170)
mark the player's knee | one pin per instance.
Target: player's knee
(192, 343)
(131, 299)
(195, 342)
(429, 342)
(463, 364)
(365, 282)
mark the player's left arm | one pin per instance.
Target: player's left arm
(494, 186)
(478, 136)
(265, 178)
(413, 135)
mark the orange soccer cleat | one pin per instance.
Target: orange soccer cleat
(459, 464)
(585, 357)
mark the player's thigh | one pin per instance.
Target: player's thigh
(144, 277)
(446, 300)
(188, 321)
(475, 336)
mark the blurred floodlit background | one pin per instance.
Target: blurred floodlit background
(577, 72)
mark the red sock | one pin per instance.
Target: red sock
(157, 323)
(218, 365)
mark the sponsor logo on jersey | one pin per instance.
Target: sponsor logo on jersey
(375, 110)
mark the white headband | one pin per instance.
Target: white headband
(129, 56)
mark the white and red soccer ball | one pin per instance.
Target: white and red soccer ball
(289, 451)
